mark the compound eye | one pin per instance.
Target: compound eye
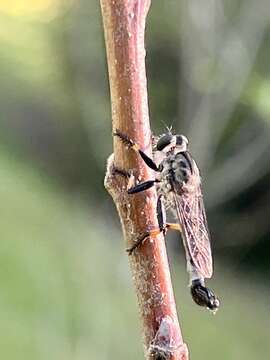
(164, 141)
(182, 142)
(180, 139)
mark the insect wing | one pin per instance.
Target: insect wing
(195, 233)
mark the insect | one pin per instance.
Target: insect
(178, 184)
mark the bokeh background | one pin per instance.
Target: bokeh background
(65, 287)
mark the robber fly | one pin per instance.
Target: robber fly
(178, 186)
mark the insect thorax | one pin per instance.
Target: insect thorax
(177, 177)
(175, 171)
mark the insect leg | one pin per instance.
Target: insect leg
(153, 233)
(130, 143)
(142, 186)
(137, 188)
(150, 233)
(124, 173)
(163, 226)
(174, 226)
(161, 216)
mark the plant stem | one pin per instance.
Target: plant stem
(124, 25)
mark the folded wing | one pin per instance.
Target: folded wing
(191, 213)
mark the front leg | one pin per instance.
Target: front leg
(130, 143)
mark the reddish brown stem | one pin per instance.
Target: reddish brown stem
(124, 24)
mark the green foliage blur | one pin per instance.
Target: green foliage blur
(66, 291)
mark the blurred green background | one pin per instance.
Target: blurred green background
(66, 291)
